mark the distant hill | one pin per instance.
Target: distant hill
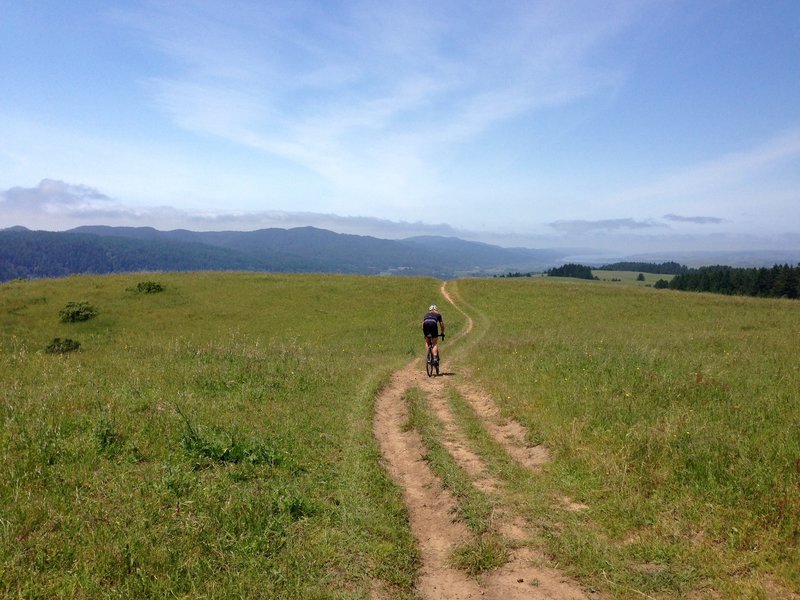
(667, 268)
(103, 249)
(36, 254)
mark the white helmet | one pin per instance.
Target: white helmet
(433, 307)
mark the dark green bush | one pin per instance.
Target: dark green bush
(77, 311)
(59, 346)
(149, 287)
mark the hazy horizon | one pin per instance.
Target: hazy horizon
(627, 126)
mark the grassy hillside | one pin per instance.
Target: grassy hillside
(672, 417)
(215, 439)
(210, 440)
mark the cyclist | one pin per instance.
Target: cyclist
(430, 329)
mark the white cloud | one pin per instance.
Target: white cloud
(370, 99)
(53, 196)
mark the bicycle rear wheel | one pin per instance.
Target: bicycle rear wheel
(429, 367)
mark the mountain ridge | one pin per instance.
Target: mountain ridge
(107, 249)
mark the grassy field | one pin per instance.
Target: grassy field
(211, 440)
(673, 417)
(215, 439)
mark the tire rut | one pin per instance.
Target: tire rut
(431, 507)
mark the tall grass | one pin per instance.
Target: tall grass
(674, 417)
(210, 440)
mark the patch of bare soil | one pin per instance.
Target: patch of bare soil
(431, 507)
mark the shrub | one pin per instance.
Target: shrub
(149, 287)
(661, 284)
(77, 311)
(59, 346)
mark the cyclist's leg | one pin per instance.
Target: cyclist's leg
(430, 337)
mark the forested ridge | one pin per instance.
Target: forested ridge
(36, 254)
(26, 254)
(780, 281)
(101, 249)
(666, 268)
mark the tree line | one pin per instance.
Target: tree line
(571, 270)
(666, 268)
(780, 281)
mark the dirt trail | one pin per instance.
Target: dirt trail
(430, 505)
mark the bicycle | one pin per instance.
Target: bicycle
(431, 361)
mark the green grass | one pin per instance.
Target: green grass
(629, 277)
(672, 416)
(481, 554)
(215, 439)
(474, 508)
(485, 550)
(211, 440)
(524, 489)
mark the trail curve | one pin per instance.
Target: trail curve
(430, 506)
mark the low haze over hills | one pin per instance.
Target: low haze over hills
(103, 249)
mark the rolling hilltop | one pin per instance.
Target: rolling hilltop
(103, 249)
(225, 435)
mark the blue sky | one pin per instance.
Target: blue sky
(632, 125)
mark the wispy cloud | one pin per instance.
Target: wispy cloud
(366, 97)
(696, 220)
(579, 227)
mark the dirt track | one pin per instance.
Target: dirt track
(430, 505)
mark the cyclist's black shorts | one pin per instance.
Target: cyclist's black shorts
(432, 329)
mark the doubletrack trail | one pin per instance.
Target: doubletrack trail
(430, 505)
